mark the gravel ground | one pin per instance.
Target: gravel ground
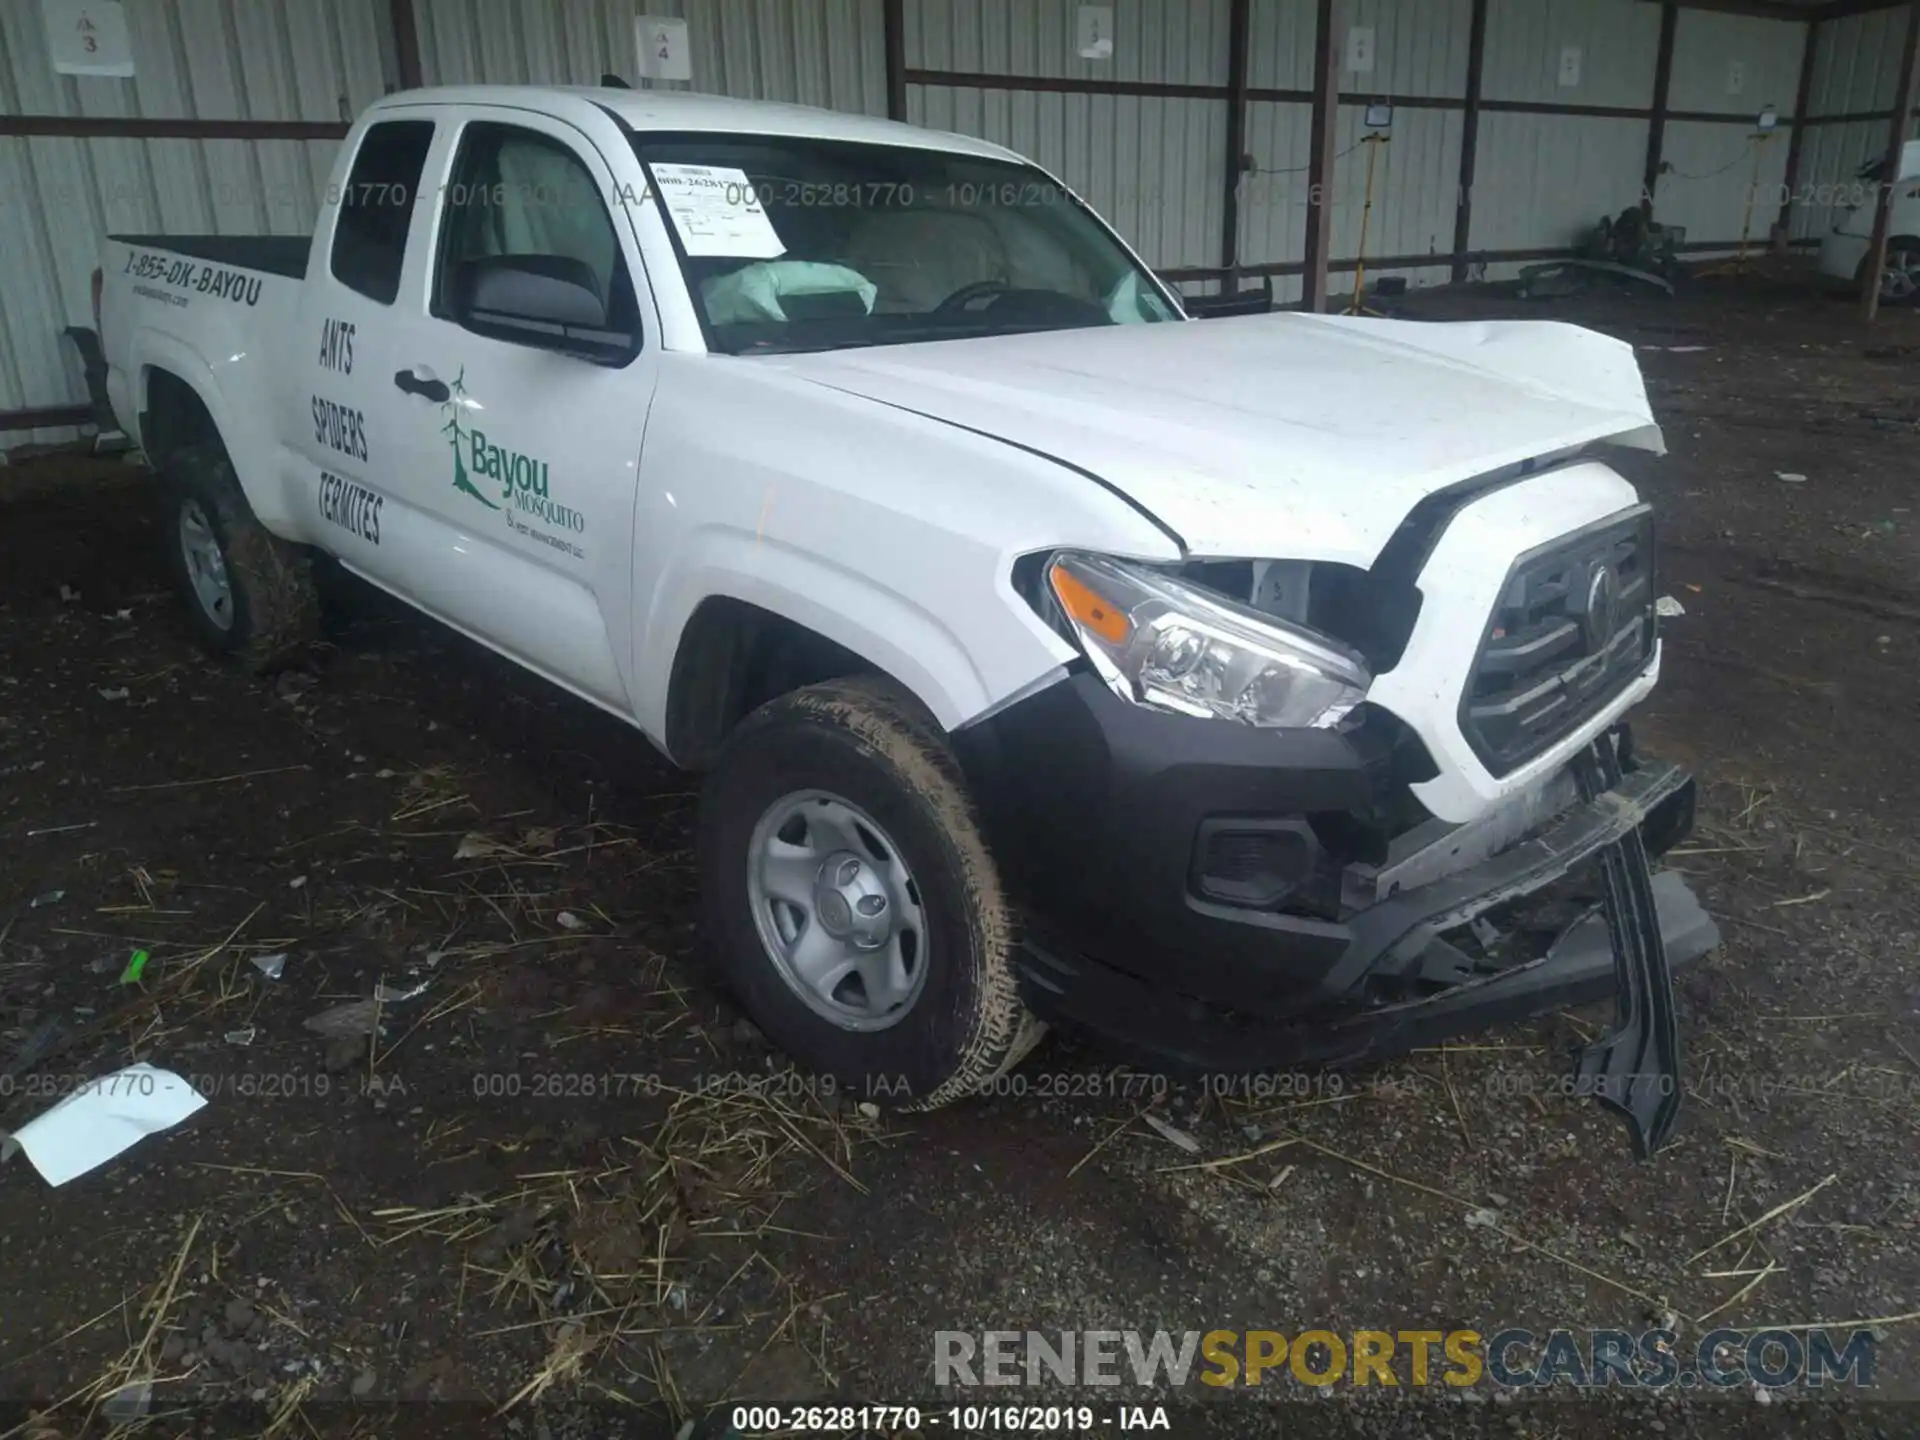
(546, 1196)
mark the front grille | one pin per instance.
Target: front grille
(1573, 626)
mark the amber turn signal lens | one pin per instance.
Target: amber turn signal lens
(1089, 608)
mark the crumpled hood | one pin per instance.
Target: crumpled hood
(1287, 435)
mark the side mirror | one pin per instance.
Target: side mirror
(549, 302)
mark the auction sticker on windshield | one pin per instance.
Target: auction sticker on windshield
(716, 211)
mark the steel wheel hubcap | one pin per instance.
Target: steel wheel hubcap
(206, 566)
(837, 909)
(1897, 281)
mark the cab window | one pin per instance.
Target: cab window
(376, 209)
(521, 193)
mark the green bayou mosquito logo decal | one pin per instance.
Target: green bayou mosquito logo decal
(457, 436)
(521, 480)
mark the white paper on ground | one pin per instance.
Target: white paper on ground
(102, 1118)
(716, 211)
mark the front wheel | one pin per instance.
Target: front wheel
(854, 907)
(250, 595)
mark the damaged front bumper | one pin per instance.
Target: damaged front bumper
(1550, 904)
(1626, 945)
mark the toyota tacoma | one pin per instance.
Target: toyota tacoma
(1244, 690)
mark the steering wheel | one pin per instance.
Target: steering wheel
(963, 297)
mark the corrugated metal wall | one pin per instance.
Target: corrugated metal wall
(1856, 68)
(1856, 64)
(1420, 49)
(1273, 199)
(1416, 180)
(1721, 176)
(1151, 164)
(194, 59)
(1714, 53)
(318, 61)
(1541, 181)
(1618, 41)
(1165, 41)
(810, 52)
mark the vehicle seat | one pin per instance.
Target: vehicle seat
(917, 258)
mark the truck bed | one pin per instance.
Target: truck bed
(274, 254)
(213, 311)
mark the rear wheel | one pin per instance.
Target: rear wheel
(851, 899)
(1900, 281)
(250, 595)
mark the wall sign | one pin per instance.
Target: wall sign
(1360, 49)
(1569, 66)
(1093, 32)
(88, 37)
(665, 51)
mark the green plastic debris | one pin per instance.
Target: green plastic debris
(135, 967)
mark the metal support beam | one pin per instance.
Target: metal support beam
(1841, 9)
(1897, 131)
(1469, 139)
(406, 44)
(1657, 122)
(1790, 179)
(136, 127)
(1758, 9)
(1326, 105)
(48, 417)
(1239, 26)
(893, 27)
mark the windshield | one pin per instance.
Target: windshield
(800, 244)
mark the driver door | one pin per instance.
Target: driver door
(524, 457)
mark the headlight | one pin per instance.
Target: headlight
(1160, 642)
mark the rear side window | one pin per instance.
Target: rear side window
(370, 240)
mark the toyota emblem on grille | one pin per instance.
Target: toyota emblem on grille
(1603, 603)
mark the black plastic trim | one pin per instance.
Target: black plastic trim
(1183, 1034)
(1095, 807)
(1499, 764)
(1245, 894)
(1634, 1070)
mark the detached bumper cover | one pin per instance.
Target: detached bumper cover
(1096, 822)
(93, 365)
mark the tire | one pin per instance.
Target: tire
(271, 612)
(1900, 282)
(870, 750)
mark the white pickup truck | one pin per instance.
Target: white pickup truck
(1245, 690)
(1844, 248)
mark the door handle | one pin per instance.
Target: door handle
(426, 389)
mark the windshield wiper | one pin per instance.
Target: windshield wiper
(983, 332)
(796, 347)
(904, 337)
